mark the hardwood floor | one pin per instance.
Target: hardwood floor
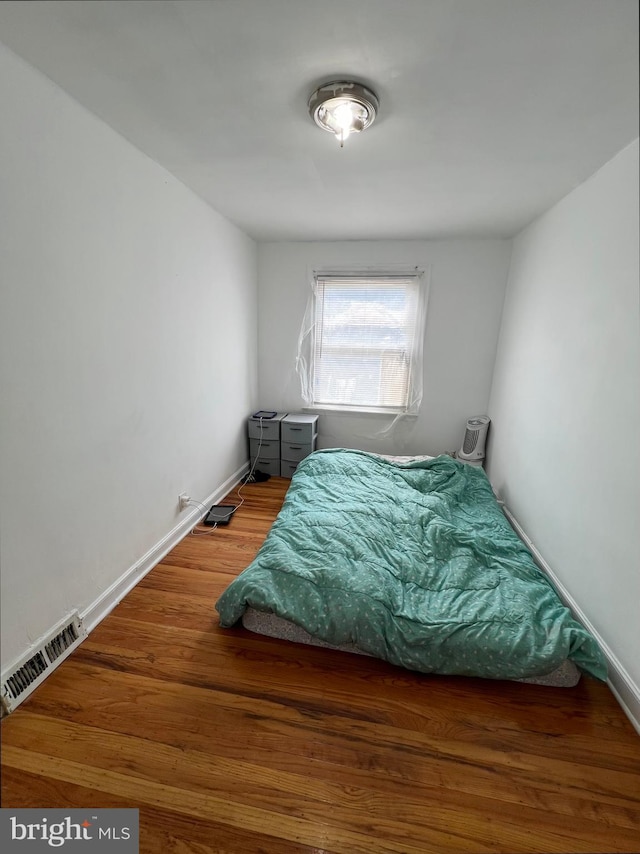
(231, 742)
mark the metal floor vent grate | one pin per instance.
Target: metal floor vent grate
(61, 642)
(33, 668)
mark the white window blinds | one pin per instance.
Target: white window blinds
(365, 348)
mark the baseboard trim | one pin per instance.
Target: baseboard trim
(622, 685)
(107, 601)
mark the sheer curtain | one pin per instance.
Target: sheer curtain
(360, 346)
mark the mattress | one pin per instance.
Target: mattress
(413, 561)
(566, 675)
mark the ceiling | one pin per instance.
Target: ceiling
(490, 110)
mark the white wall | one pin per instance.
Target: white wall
(128, 353)
(565, 401)
(467, 282)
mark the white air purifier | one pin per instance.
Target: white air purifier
(475, 438)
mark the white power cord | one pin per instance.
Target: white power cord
(200, 533)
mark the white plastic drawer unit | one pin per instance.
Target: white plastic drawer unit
(267, 428)
(268, 448)
(276, 445)
(299, 428)
(299, 437)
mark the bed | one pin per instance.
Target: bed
(411, 561)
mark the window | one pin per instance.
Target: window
(363, 343)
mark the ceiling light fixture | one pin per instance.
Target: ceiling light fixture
(343, 108)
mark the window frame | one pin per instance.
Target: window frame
(314, 326)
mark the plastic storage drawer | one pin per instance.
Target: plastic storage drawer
(296, 451)
(270, 428)
(287, 468)
(268, 448)
(299, 428)
(268, 465)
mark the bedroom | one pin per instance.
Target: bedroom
(140, 326)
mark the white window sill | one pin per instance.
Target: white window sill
(353, 410)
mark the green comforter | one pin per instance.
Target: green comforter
(414, 563)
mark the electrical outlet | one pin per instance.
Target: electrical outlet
(183, 501)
